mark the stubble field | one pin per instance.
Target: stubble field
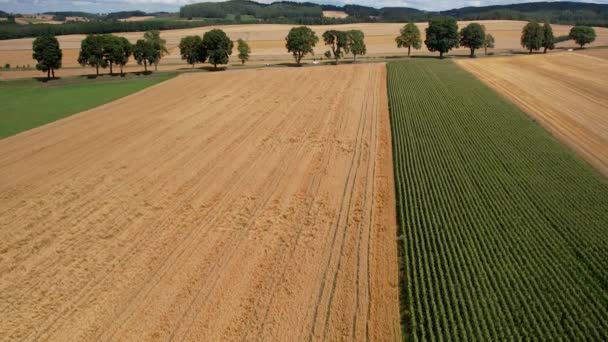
(261, 207)
(565, 92)
(268, 43)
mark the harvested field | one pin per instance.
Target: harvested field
(335, 14)
(268, 42)
(565, 92)
(140, 18)
(599, 53)
(259, 208)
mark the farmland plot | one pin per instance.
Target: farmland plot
(566, 92)
(252, 205)
(505, 230)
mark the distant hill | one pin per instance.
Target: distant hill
(556, 12)
(125, 14)
(281, 9)
(74, 14)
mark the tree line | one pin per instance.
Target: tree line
(215, 47)
(442, 35)
(101, 51)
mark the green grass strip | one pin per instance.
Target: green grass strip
(26, 104)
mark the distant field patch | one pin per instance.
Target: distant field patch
(29, 103)
(335, 14)
(142, 18)
(504, 229)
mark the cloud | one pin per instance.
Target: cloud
(105, 6)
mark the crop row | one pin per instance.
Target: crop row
(505, 231)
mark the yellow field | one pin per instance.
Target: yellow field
(268, 42)
(245, 205)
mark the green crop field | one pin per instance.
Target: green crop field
(28, 104)
(505, 231)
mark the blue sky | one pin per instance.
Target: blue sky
(104, 6)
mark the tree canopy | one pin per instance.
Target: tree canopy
(48, 54)
(356, 42)
(160, 45)
(92, 51)
(409, 37)
(244, 50)
(191, 50)
(217, 46)
(117, 51)
(301, 41)
(488, 42)
(338, 44)
(473, 37)
(442, 35)
(144, 53)
(548, 37)
(583, 35)
(532, 36)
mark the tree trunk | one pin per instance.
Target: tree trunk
(530, 50)
(111, 73)
(486, 50)
(409, 50)
(545, 50)
(355, 58)
(97, 69)
(472, 53)
(145, 66)
(53, 72)
(155, 66)
(441, 54)
(298, 58)
(215, 66)
(48, 74)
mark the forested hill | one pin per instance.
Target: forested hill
(556, 12)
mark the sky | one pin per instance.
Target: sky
(106, 6)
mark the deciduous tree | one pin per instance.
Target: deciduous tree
(338, 44)
(488, 42)
(160, 45)
(548, 37)
(124, 53)
(48, 54)
(145, 53)
(532, 36)
(472, 37)
(92, 51)
(244, 50)
(582, 35)
(301, 41)
(442, 35)
(356, 42)
(409, 37)
(218, 47)
(191, 50)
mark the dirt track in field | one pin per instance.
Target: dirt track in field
(566, 92)
(250, 205)
(267, 42)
